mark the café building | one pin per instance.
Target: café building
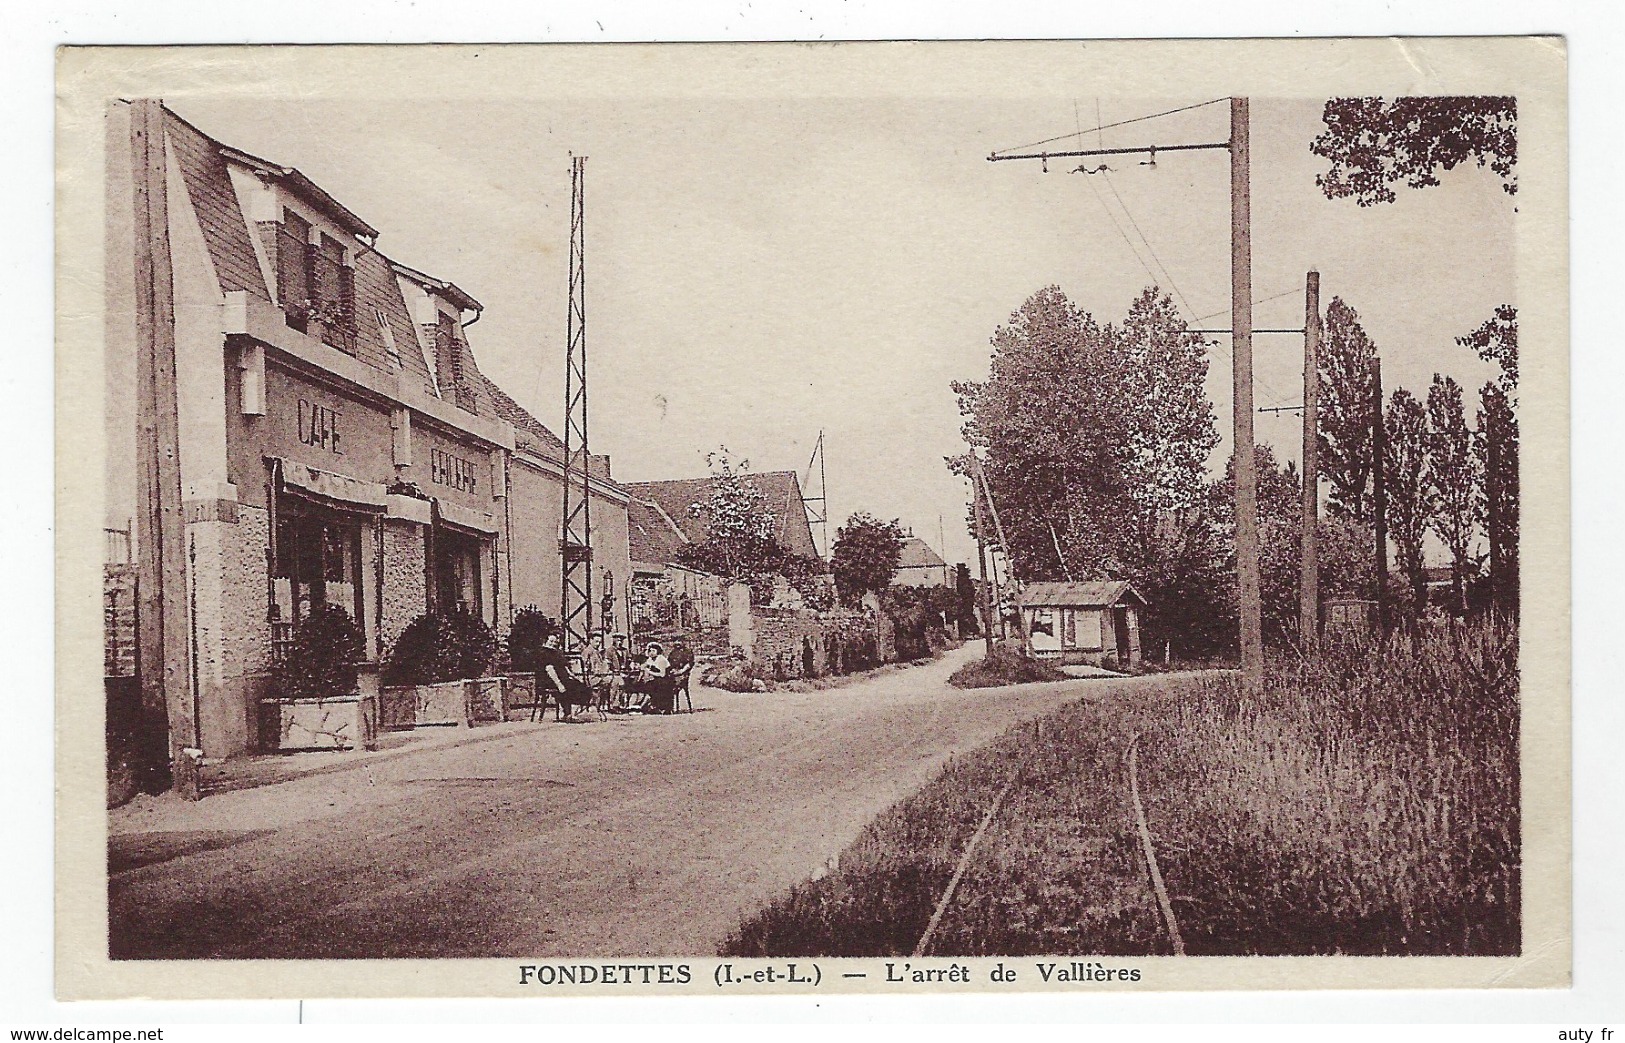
(338, 442)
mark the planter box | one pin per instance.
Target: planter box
(444, 704)
(518, 694)
(486, 700)
(319, 724)
(398, 709)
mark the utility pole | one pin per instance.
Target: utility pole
(163, 643)
(1309, 580)
(981, 562)
(1004, 548)
(1241, 343)
(1241, 331)
(1379, 488)
(575, 545)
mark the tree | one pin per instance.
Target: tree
(1496, 340)
(1375, 144)
(1280, 547)
(1050, 421)
(1171, 430)
(965, 604)
(865, 555)
(1093, 434)
(1410, 492)
(1347, 558)
(1453, 475)
(740, 529)
(1345, 412)
(1496, 445)
(1496, 448)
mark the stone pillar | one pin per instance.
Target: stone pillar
(741, 634)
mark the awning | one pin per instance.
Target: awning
(330, 485)
(466, 518)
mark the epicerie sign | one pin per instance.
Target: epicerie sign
(446, 469)
(319, 425)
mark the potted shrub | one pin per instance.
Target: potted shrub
(474, 647)
(428, 669)
(317, 704)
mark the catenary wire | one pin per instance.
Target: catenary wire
(1109, 126)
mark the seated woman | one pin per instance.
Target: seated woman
(648, 682)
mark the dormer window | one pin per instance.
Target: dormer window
(451, 363)
(316, 286)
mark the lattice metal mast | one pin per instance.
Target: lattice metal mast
(575, 548)
(817, 516)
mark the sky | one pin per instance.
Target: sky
(761, 271)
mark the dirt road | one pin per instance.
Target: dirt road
(633, 836)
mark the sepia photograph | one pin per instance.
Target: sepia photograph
(646, 535)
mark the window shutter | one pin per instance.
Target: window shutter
(311, 291)
(445, 350)
(347, 296)
(292, 268)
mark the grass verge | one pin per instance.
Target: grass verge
(1364, 804)
(1003, 667)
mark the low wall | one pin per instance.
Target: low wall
(789, 643)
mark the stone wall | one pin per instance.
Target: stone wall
(405, 594)
(790, 643)
(246, 568)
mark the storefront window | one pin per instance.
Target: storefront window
(457, 572)
(318, 562)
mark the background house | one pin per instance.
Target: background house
(664, 593)
(782, 496)
(920, 566)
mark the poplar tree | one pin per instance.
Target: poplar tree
(1453, 475)
(1345, 412)
(1497, 445)
(1410, 492)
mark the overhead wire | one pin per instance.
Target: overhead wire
(1109, 126)
(1099, 129)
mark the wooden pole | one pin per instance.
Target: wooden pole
(1241, 324)
(169, 726)
(1009, 562)
(1379, 489)
(981, 562)
(1309, 579)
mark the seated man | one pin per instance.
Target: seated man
(682, 664)
(596, 672)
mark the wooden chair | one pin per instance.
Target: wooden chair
(680, 681)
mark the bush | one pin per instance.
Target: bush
(851, 646)
(916, 614)
(1004, 667)
(474, 646)
(321, 663)
(734, 675)
(530, 630)
(435, 648)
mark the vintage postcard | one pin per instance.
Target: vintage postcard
(732, 519)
